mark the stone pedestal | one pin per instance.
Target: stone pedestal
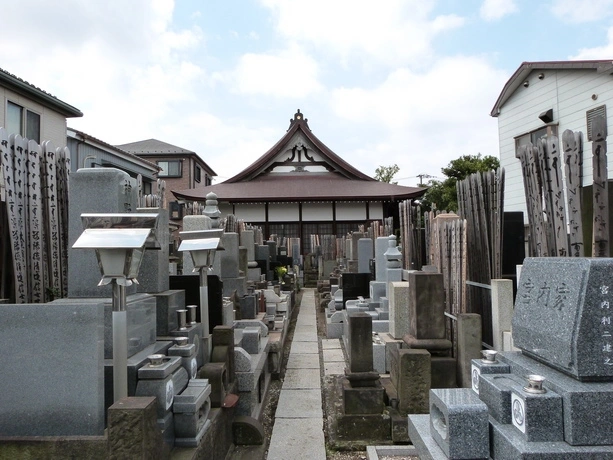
(133, 431)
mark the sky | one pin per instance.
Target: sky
(406, 82)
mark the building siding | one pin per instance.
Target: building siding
(569, 94)
(52, 123)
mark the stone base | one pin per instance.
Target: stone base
(419, 432)
(364, 427)
(193, 442)
(334, 330)
(400, 427)
(443, 372)
(363, 400)
(347, 431)
(194, 335)
(508, 442)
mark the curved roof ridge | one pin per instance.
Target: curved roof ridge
(298, 123)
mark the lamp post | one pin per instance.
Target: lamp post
(202, 245)
(119, 242)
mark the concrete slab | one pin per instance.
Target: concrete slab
(306, 329)
(334, 368)
(293, 438)
(299, 379)
(304, 348)
(304, 403)
(300, 336)
(335, 354)
(330, 343)
(303, 361)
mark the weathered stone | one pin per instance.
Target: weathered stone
(133, 431)
(399, 320)
(247, 431)
(360, 342)
(426, 305)
(411, 376)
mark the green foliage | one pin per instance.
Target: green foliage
(442, 194)
(386, 173)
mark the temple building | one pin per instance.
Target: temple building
(300, 187)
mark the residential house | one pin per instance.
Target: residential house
(545, 99)
(180, 168)
(90, 152)
(32, 112)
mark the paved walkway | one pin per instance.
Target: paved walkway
(298, 429)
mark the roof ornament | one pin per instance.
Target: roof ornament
(299, 117)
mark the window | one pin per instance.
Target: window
(533, 136)
(197, 174)
(170, 168)
(590, 115)
(22, 121)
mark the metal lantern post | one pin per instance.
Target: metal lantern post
(119, 242)
(202, 245)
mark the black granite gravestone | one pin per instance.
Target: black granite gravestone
(191, 285)
(355, 285)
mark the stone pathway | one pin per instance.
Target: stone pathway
(298, 429)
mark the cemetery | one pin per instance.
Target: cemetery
(424, 334)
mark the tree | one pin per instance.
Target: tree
(442, 194)
(386, 173)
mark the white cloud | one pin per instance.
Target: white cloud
(579, 11)
(122, 63)
(396, 33)
(426, 118)
(600, 52)
(288, 73)
(492, 10)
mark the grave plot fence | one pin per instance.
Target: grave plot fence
(480, 203)
(465, 248)
(33, 219)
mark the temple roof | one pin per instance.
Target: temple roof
(300, 167)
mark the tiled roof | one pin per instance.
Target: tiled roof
(304, 186)
(152, 147)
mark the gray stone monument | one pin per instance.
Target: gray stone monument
(52, 370)
(365, 254)
(563, 312)
(94, 190)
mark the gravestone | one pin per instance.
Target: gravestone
(381, 245)
(399, 317)
(563, 312)
(52, 365)
(190, 224)
(426, 305)
(225, 264)
(355, 285)
(153, 273)
(94, 190)
(365, 254)
(552, 399)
